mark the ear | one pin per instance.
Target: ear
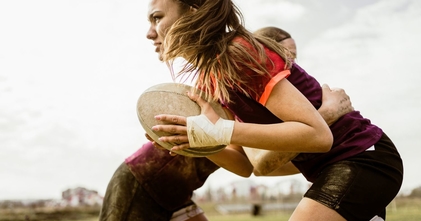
(193, 8)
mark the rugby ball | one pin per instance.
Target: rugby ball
(171, 98)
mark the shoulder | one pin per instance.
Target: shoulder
(243, 43)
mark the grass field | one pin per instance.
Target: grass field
(407, 209)
(403, 209)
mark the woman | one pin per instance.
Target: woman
(152, 185)
(281, 36)
(354, 167)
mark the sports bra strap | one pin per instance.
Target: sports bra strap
(269, 86)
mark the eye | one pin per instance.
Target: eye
(156, 19)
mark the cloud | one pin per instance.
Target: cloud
(374, 57)
(70, 76)
(71, 73)
(379, 39)
(261, 15)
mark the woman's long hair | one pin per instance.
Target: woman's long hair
(205, 40)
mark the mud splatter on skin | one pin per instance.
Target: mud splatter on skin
(266, 161)
(270, 163)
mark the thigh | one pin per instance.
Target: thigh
(125, 199)
(190, 212)
(309, 209)
(362, 186)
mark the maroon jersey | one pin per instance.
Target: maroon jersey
(352, 132)
(170, 180)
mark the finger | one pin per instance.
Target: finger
(173, 119)
(196, 98)
(325, 92)
(193, 96)
(178, 139)
(149, 137)
(180, 147)
(156, 145)
(169, 128)
(338, 89)
(325, 87)
(205, 107)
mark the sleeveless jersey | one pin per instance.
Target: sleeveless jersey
(352, 132)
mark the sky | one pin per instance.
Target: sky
(71, 73)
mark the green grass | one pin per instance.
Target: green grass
(249, 217)
(404, 209)
(408, 209)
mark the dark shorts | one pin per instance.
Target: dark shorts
(125, 199)
(362, 186)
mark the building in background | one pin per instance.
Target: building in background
(81, 196)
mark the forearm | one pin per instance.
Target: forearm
(286, 137)
(283, 136)
(265, 161)
(303, 129)
(285, 170)
(328, 115)
(233, 159)
(335, 104)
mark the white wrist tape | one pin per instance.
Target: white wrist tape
(203, 133)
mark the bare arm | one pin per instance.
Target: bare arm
(233, 159)
(303, 129)
(284, 170)
(335, 104)
(267, 162)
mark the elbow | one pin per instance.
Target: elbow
(262, 170)
(245, 170)
(258, 173)
(325, 142)
(245, 173)
(248, 171)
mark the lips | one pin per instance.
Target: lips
(158, 47)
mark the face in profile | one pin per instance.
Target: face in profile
(161, 15)
(289, 43)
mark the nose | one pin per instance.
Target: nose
(151, 34)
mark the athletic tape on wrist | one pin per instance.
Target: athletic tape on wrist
(203, 133)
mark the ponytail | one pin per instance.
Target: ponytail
(204, 38)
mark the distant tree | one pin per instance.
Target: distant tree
(416, 192)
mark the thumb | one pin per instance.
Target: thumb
(325, 87)
(205, 108)
(196, 98)
(325, 90)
